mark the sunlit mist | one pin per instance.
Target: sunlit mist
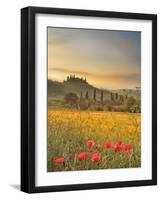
(108, 59)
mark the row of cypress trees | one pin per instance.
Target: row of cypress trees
(113, 96)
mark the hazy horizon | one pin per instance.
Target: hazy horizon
(107, 59)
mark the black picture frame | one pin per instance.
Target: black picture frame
(28, 98)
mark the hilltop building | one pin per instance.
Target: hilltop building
(73, 78)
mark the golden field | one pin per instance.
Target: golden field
(82, 140)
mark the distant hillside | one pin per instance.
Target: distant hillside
(58, 90)
(129, 92)
(75, 85)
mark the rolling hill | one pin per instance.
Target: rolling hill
(58, 90)
(79, 86)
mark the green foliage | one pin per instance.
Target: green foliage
(83, 105)
(116, 96)
(71, 99)
(112, 96)
(138, 105)
(101, 95)
(87, 96)
(132, 104)
(77, 93)
(94, 94)
(99, 108)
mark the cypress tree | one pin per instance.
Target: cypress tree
(87, 95)
(112, 97)
(116, 96)
(101, 95)
(94, 94)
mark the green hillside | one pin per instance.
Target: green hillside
(78, 86)
(78, 93)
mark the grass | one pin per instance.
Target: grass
(69, 132)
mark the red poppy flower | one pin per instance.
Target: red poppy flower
(108, 145)
(98, 147)
(59, 160)
(90, 143)
(90, 150)
(82, 156)
(117, 147)
(119, 142)
(127, 148)
(71, 155)
(95, 157)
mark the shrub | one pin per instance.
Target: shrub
(130, 102)
(71, 99)
(99, 108)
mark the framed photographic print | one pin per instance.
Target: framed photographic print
(88, 99)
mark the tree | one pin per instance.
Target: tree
(138, 104)
(94, 94)
(116, 96)
(87, 95)
(130, 102)
(101, 95)
(121, 98)
(112, 97)
(71, 99)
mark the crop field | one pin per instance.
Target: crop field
(85, 140)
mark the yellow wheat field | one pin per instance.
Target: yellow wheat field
(69, 132)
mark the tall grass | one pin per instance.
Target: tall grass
(69, 132)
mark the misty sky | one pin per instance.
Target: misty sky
(108, 59)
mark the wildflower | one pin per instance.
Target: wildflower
(108, 145)
(59, 160)
(82, 156)
(127, 148)
(98, 147)
(90, 143)
(117, 148)
(90, 150)
(119, 142)
(71, 155)
(95, 157)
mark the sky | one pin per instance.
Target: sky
(108, 59)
